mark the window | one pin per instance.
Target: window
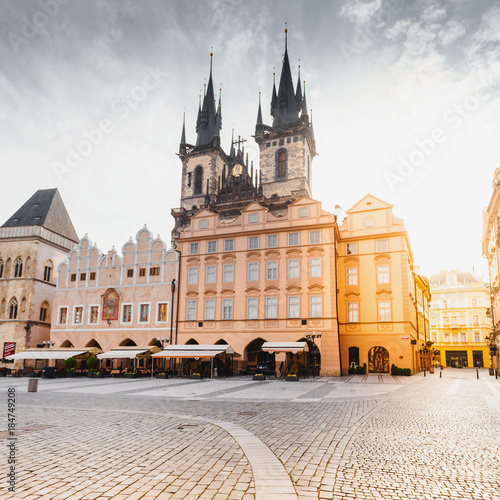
(191, 310)
(127, 313)
(293, 239)
(352, 312)
(130, 273)
(227, 309)
(92, 276)
(314, 268)
(203, 224)
(477, 337)
(143, 313)
(192, 275)
(446, 337)
(303, 212)
(1, 269)
(352, 248)
(272, 270)
(94, 314)
(253, 242)
(252, 308)
(294, 306)
(253, 218)
(47, 272)
(293, 269)
(272, 241)
(162, 315)
(463, 337)
(316, 306)
(384, 310)
(473, 302)
(281, 164)
(455, 338)
(382, 246)
(63, 315)
(210, 309)
(73, 277)
(83, 276)
(154, 271)
(18, 268)
(229, 245)
(475, 319)
(13, 309)
(228, 273)
(194, 248)
(210, 274)
(78, 317)
(314, 237)
(212, 246)
(369, 222)
(198, 180)
(253, 271)
(43, 313)
(352, 275)
(271, 307)
(383, 274)
(142, 271)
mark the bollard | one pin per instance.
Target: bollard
(32, 385)
(496, 373)
(441, 374)
(477, 372)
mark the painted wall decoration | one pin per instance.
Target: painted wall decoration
(110, 305)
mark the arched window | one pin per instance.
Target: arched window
(3, 307)
(198, 180)
(47, 271)
(1, 268)
(13, 308)
(7, 268)
(44, 312)
(281, 167)
(18, 268)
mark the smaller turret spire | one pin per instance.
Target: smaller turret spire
(298, 93)
(183, 135)
(231, 154)
(259, 114)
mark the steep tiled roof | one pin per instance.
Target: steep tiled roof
(45, 208)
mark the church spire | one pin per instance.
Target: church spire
(259, 114)
(183, 135)
(298, 93)
(286, 106)
(206, 125)
(304, 102)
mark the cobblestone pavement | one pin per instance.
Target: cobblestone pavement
(373, 437)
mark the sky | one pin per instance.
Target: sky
(405, 100)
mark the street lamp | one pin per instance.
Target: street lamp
(493, 349)
(310, 337)
(423, 352)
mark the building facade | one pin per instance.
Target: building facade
(33, 242)
(491, 252)
(258, 253)
(111, 300)
(459, 319)
(382, 312)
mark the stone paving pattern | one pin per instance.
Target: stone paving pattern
(365, 437)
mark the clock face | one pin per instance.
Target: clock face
(237, 170)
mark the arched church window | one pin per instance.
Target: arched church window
(13, 309)
(281, 164)
(18, 268)
(1, 268)
(198, 180)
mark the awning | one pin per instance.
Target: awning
(125, 353)
(47, 354)
(194, 351)
(293, 347)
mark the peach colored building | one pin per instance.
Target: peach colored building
(33, 242)
(377, 301)
(260, 277)
(110, 300)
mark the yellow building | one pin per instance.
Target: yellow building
(378, 291)
(458, 317)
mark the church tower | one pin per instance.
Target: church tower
(287, 148)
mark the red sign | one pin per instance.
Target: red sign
(8, 349)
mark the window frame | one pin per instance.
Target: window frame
(190, 310)
(290, 243)
(212, 243)
(249, 271)
(384, 312)
(293, 268)
(225, 271)
(59, 309)
(269, 239)
(271, 269)
(269, 305)
(229, 245)
(227, 304)
(313, 235)
(353, 312)
(207, 274)
(313, 307)
(90, 322)
(122, 315)
(167, 305)
(212, 309)
(253, 239)
(291, 306)
(192, 277)
(352, 276)
(315, 266)
(139, 315)
(254, 307)
(194, 248)
(75, 308)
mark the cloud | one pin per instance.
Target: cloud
(360, 11)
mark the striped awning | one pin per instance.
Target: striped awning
(47, 354)
(194, 351)
(293, 347)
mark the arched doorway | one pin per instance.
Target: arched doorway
(253, 354)
(378, 360)
(224, 363)
(353, 357)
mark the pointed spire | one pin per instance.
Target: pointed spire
(259, 113)
(298, 93)
(304, 102)
(274, 98)
(183, 135)
(231, 154)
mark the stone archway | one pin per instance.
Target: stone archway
(378, 360)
